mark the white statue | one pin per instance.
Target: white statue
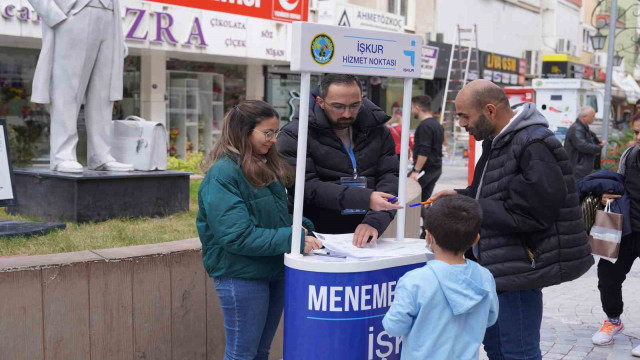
(81, 61)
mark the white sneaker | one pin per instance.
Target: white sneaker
(69, 167)
(636, 351)
(605, 335)
(114, 166)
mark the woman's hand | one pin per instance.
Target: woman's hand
(609, 196)
(311, 243)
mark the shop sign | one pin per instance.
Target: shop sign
(347, 15)
(429, 62)
(188, 30)
(280, 10)
(501, 69)
(20, 13)
(555, 70)
(577, 69)
(444, 55)
(324, 48)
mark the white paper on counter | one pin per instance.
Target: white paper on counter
(342, 244)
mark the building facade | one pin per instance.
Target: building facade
(186, 66)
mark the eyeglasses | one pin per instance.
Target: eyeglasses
(269, 135)
(340, 108)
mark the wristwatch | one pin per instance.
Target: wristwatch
(415, 170)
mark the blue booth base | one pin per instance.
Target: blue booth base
(334, 310)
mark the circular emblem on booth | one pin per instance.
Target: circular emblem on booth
(322, 49)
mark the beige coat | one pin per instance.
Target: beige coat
(52, 13)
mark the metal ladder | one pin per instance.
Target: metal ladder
(464, 66)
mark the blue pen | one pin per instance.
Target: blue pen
(393, 199)
(422, 203)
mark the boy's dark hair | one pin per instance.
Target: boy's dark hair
(636, 117)
(454, 221)
(329, 79)
(423, 102)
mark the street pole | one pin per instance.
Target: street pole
(613, 15)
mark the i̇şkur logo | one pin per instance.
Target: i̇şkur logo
(322, 49)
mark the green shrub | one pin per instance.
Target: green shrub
(191, 164)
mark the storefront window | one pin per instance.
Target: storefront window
(28, 123)
(199, 95)
(394, 95)
(235, 78)
(130, 103)
(283, 93)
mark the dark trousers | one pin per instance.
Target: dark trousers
(428, 181)
(612, 275)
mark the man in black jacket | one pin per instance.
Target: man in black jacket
(582, 145)
(532, 232)
(352, 167)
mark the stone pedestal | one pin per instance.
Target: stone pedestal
(99, 195)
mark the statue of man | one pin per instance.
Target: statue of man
(81, 62)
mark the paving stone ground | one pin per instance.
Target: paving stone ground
(572, 311)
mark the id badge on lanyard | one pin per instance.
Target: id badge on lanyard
(355, 181)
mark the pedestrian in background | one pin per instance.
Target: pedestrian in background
(532, 233)
(611, 275)
(582, 145)
(245, 228)
(395, 127)
(427, 147)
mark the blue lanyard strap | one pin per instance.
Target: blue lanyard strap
(352, 156)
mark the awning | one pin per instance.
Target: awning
(628, 85)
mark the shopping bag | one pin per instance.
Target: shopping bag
(606, 234)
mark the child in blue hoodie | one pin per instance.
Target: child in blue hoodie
(443, 309)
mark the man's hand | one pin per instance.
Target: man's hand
(414, 175)
(609, 196)
(378, 202)
(602, 143)
(311, 243)
(362, 234)
(441, 194)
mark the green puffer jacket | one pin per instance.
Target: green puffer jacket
(244, 230)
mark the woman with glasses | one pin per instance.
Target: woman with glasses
(245, 228)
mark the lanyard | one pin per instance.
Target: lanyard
(352, 156)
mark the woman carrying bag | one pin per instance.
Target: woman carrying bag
(245, 228)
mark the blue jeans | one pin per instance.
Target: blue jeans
(516, 334)
(252, 310)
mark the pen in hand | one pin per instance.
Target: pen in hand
(422, 203)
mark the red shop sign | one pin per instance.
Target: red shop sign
(280, 10)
